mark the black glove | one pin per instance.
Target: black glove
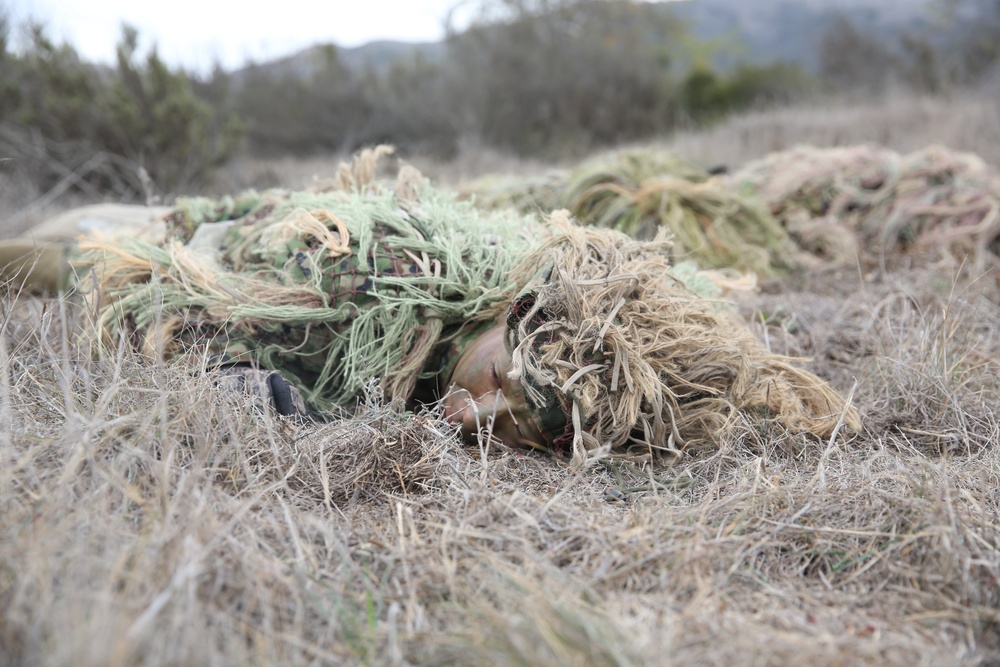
(267, 388)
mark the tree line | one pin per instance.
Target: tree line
(959, 48)
(533, 77)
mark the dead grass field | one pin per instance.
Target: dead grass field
(149, 518)
(902, 122)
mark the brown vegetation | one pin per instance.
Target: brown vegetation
(903, 122)
(150, 518)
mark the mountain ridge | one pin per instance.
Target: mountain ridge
(751, 31)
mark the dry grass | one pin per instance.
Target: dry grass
(472, 161)
(150, 518)
(967, 121)
(17, 193)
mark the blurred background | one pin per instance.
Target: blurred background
(94, 107)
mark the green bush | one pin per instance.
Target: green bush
(708, 95)
(74, 125)
(154, 118)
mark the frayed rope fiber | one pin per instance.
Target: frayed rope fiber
(334, 286)
(639, 361)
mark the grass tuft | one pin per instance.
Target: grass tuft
(151, 518)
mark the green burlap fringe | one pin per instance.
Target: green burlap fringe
(642, 192)
(254, 295)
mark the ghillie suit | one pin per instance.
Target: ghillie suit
(802, 208)
(639, 363)
(334, 287)
(839, 203)
(644, 191)
(331, 287)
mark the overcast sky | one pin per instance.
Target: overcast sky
(195, 33)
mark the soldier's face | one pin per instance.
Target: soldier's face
(484, 400)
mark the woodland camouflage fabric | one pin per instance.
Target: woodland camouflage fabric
(349, 279)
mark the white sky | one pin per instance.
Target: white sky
(196, 33)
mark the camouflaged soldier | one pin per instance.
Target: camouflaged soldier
(576, 341)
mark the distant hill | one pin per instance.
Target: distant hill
(765, 31)
(378, 56)
(751, 31)
(382, 54)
